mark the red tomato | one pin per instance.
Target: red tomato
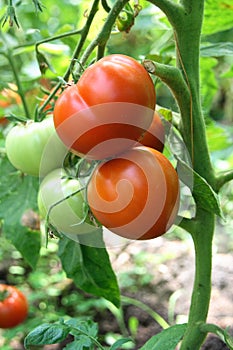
(106, 112)
(13, 306)
(135, 195)
(154, 137)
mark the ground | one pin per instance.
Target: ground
(170, 263)
(159, 274)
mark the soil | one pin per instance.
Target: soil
(171, 265)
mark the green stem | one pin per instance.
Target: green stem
(223, 178)
(187, 24)
(159, 319)
(21, 93)
(172, 10)
(105, 32)
(83, 32)
(202, 238)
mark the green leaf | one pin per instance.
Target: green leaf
(217, 50)
(90, 269)
(167, 339)
(87, 327)
(46, 334)
(18, 205)
(203, 193)
(221, 333)
(80, 344)
(119, 343)
(217, 16)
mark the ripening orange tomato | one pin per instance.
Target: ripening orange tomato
(135, 195)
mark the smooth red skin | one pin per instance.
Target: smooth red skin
(154, 137)
(13, 309)
(105, 181)
(113, 79)
(117, 78)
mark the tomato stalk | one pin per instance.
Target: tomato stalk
(186, 19)
(8, 55)
(83, 35)
(101, 40)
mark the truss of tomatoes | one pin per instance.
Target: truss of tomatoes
(109, 116)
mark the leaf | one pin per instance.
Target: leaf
(90, 269)
(167, 339)
(203, 193)
(221, 333)
(119, 343)
(87, 327)
(217, 16)
(217, 50)
(80, 344)
(46, 334)
(18, 205)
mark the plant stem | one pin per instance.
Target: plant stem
(187, 25)
(105, 32)
(223, 178)
(83, 32)
(21, 93)
(202, 238)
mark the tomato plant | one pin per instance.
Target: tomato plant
(34, 147)
(13, 306)
(135, 195)
(62, 199)
(106, 112)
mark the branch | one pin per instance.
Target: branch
(173, 11)
(186, 224)
(223, 178)
(173, 78)
(103, 36)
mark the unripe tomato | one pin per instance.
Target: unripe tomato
(135, 195)
(34, 148)
(68, 213)
(13, 306)
(107, 111)
(154, 137)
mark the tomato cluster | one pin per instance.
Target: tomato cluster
(107, 116)
(13, 306)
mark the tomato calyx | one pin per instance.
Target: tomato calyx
(4, 294)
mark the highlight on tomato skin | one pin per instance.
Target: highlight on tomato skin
(135, 195)
(114, 100)
(13, 306)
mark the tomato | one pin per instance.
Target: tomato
(106, 112)
(13, 306)
(9, 96)
(135, 195)
(66, 215)
(154, 137)
(34, 148)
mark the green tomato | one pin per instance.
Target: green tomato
(66, 215)
(34, 147)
